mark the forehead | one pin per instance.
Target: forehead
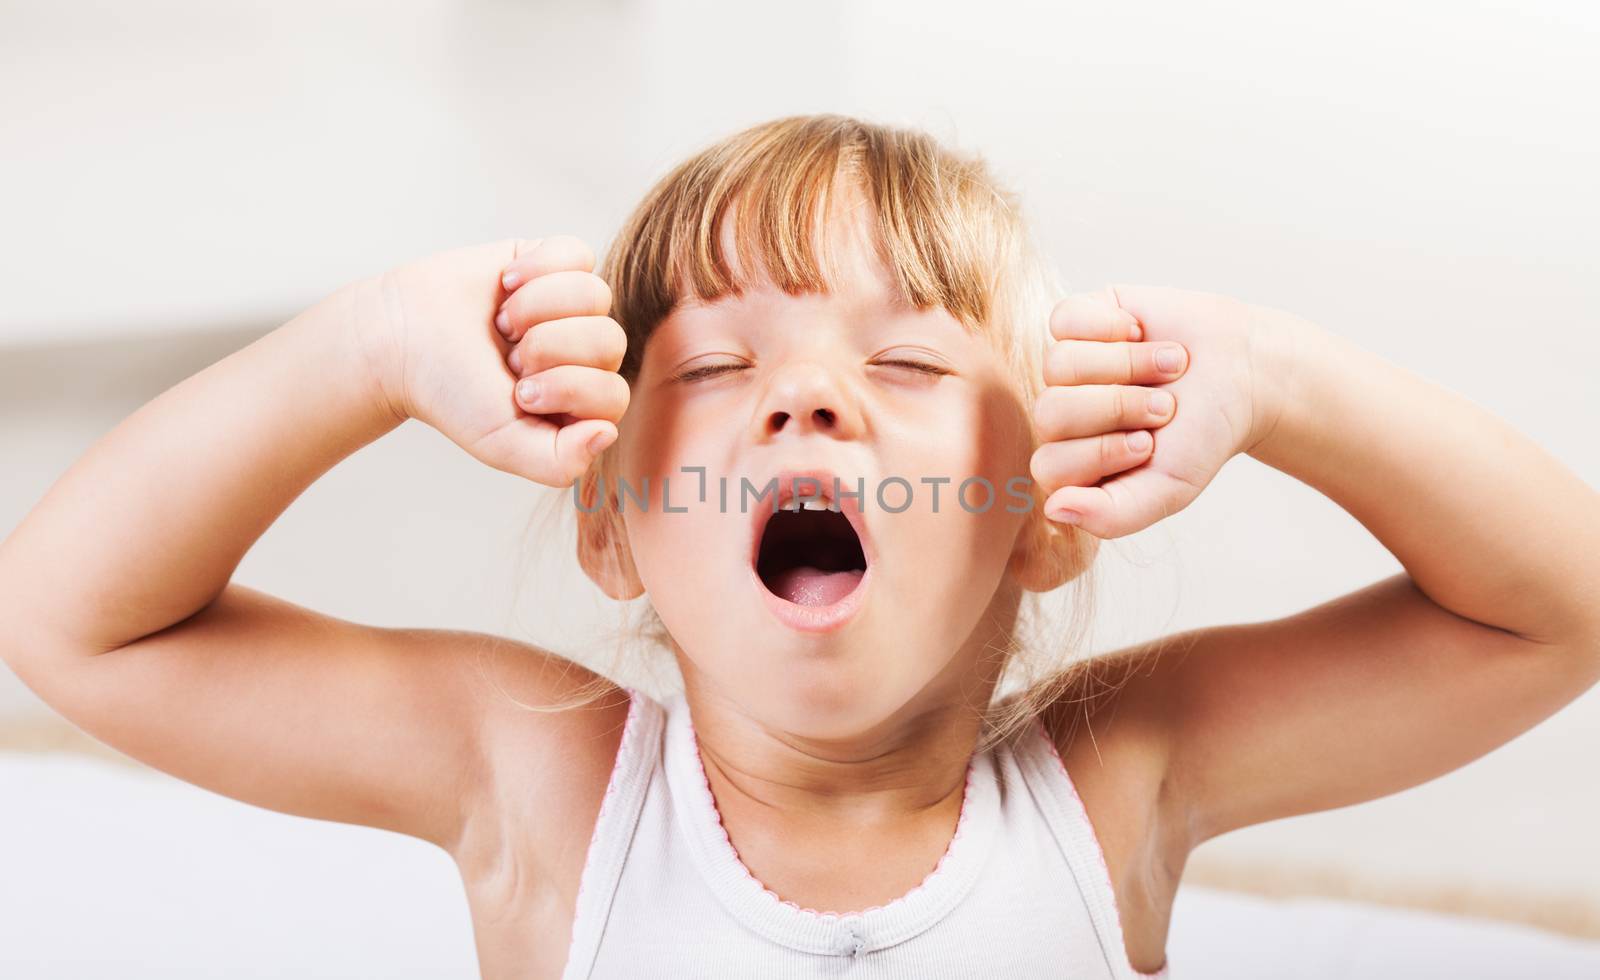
(846, 243)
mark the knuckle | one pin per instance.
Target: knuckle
(1052, 363)
(1059, 316)
(1039, 468)
(624, 395)
(1113, 446)
(572, 250)
(614, 343)
(616, 387)
(1041, 408)
(1132, 405)
(598, 293)
(597, 391)
(1116, 498)
(1066, 365)
(1047, 408)
(555, 383)
(571, 293)
(534, 348)
(551, 344)
(518, 306)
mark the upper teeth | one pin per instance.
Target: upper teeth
(795, 503)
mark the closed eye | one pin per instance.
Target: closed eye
(922, 366)
(707, 371)
(713, 370)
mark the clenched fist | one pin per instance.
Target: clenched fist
(507, 350)
(1151, 390)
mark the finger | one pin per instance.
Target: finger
(1085, 462)
(1078, 362)
(538, 450)
(542, 256)
(1089, 410)
(1092, 316)
(1122, 505)
(1164, 304)
(551, 297)
(583, 392)
(592, 341)
(577, 445)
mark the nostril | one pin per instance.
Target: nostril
(821, 418)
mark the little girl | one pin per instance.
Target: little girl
(862, 427)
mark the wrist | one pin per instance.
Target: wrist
(1286, 351)
(351, 330)
(363, 312)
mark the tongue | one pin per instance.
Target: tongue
(807, 586)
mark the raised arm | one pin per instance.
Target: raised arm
(1493, 626)
(1491, 629)
(115, 593)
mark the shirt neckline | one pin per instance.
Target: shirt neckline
(762, 911)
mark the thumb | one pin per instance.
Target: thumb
(537, 449)
(576, 446)
(541, 256)
(1157, 306)
(1129, 502)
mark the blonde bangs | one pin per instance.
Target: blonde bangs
(947, 235)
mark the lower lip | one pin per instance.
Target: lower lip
(813, 619)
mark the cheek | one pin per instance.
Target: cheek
(963, 547)
(954, 558)
(653, 438)
(686, 563)
(981, 442)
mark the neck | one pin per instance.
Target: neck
(913, 763)
(906, 767)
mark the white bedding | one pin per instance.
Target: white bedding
(109, 871)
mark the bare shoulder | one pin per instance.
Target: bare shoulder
(1107, 725)
(549, 731)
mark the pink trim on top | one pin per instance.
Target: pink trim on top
(629, 727)
(928, 879)
(1105, 869)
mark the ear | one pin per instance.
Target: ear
(603, 539)
(1049, 555)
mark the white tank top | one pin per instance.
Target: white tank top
(1022, 890)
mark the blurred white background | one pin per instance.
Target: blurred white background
(180, 177)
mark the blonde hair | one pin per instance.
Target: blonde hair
(949, 235)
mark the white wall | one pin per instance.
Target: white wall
(179, 177)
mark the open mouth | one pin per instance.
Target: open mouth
(810, 554)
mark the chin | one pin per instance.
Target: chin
(828, 701)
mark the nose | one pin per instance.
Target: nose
(803, 398)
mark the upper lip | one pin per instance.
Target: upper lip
(839, 493)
